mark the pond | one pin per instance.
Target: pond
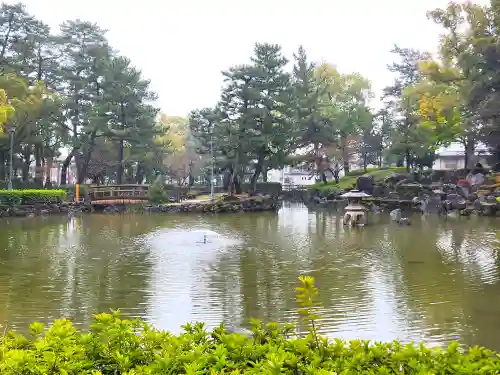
(437, 280)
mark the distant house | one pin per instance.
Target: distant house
(453, 157)
(291, 176)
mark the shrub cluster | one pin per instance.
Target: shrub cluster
(157, 191)
(349, 181)
(71, 190)
(27, 197)
(132, 347)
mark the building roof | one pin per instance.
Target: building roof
(456, 149)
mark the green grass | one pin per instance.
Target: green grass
(349, 181)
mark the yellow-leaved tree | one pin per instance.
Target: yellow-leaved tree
(441, 98)
(181, 160)
(444, 92)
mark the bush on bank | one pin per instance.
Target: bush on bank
(71, 191)
(131, 347)
(29, 197)
(349, 181)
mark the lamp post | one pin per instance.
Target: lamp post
(11, 135)
(212, 197)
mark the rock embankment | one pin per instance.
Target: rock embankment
(247, 204)
(44, 209)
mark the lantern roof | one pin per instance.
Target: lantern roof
(355, 194)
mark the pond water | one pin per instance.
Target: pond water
(437, 280)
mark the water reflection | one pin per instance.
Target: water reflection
(436, 280)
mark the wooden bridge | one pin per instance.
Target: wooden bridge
(106, 195)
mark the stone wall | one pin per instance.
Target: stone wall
(250, 204)
(43, 209)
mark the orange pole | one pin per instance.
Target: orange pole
(77, 192)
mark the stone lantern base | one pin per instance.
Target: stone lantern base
(355, 214)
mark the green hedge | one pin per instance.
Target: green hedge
(27, 197)
(132, 347)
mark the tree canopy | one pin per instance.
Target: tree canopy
(68, 95)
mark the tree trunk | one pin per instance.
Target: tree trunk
(256, 174)
(26, 162)
(316, 159)
(139, 175)
(469, 148)
(65, 165)
(237, 184)
(264, 175)
(38, 166)
(26, 170)
(82, 172)
(2, 165)
(345, 153)
(49, 162)
(119, 176)
(408, 160)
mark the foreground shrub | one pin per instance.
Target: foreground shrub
(118, 346)
(26, 197)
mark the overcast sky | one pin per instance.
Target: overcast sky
(182, 46)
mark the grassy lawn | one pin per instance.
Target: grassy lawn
(207, 196)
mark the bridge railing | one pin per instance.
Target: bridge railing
(111, 192)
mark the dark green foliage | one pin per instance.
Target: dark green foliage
(100, 106)
(25, 197)
(157, 191)
(251, 128)
(71, 190)
(268, 188)
(119, 346)
(408, 140)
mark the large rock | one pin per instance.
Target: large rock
(409, 190)
(455, 202)
(380, 190)
(365, 184)
(394, 178)
(396, 214)
(432, 204)
(476, 179)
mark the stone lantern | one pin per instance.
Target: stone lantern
(355, 211)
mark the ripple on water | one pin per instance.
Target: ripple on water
(183, 261)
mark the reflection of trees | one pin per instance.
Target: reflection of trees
(57, 266)
(426, 281)
(276, 252)
(442, 279)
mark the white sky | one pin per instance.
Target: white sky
(182, 46)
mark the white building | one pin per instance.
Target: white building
(453, 157)
(289, 176)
